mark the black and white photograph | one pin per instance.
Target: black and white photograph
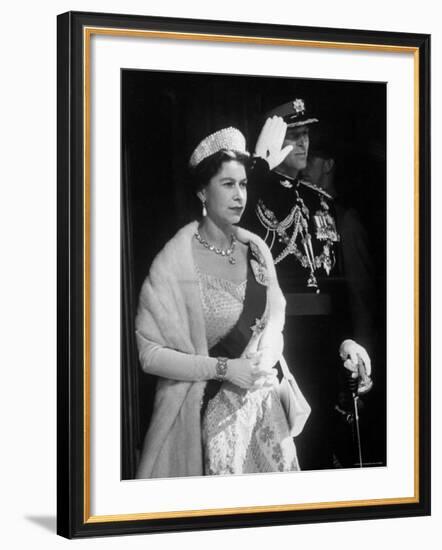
(243, 274)
(220, 228)
(254, 271)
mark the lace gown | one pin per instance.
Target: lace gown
(243, 431)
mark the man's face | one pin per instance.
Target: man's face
(299, 138)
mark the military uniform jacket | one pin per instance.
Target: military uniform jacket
(319, 247)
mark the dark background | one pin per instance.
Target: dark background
(164, 116)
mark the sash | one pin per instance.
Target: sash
(234, 343)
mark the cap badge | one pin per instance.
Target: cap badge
(286, 183)
(298, 106)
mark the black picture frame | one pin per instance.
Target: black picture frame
(73, 333)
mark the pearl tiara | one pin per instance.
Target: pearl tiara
(230, 139)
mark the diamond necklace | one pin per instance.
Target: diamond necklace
(227, 252)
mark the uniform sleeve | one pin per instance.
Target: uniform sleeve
(259, 177)
(168, 363)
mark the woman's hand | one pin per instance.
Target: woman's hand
(264, 363)
(270, 349)
(245, 372)
(270, 141)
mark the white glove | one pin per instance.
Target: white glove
(270, 140)
(245, 372)
(264, 361)
(351, 353)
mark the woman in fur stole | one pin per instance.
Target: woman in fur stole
(209, 325)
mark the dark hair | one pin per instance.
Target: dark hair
(203, 172)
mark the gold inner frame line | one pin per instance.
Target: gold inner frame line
(87, 33)
(265, 41)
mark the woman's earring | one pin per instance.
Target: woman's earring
(204, 208)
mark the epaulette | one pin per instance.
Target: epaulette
(286, 181)
(315, 188)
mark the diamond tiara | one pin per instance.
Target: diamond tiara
(228, 138)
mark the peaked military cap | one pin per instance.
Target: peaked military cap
(294, 113)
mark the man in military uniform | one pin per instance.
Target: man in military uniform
(297, 219)
(327, 169)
